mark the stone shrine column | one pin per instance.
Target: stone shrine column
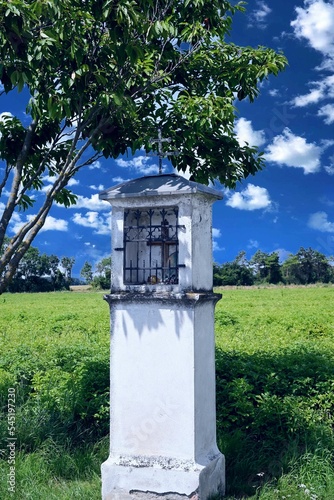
(162, 354)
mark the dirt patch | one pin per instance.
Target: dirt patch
(81, 288)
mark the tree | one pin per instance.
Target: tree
(306, 267)
(266, 267)
(67, 264)
(241, 259)
(103, 277)
(37, 272)
(87, 272)
(274, 268)
(99, 77)
(31, 264)
(233, 273)
(57, 278)
(258, 264)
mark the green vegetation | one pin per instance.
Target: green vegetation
(55, 352)
(38, 272)
(100, 277)
(307, 266)
(275, 399)
(98, 78)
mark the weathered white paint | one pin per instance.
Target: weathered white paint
(163, 417)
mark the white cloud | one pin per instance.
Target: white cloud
(139, 164)
(95, 165)
(304, 100)
(119, 180)
(100, 187)
(321, 89)
(259, 15)
(328, 112)
(100, 223)
(251, 198)
(327, 143)
(283, 254)
(53, 224)
(49, 180)
(320, 222)
(216, 234)
(216, 247)
(73, 182)
(273, 92)
(329, 169)
(17, 221)
(5, 114)
(245, 133)
(92, 203)
(293, 151)
(315, 23)
(253, 244)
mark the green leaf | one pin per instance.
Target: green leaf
(26, 202)
(66, 198)
(118, 100)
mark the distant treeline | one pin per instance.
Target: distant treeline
(305, 267)
(44, 273)
(39, 272)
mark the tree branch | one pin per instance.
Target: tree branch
(5, 177)
(8, 211)
(17, 255)
(41, 168)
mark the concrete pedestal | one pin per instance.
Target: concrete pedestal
(172, 481)
(163, 415)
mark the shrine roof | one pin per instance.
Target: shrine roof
(152, 185)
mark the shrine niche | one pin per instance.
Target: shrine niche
(151, 246)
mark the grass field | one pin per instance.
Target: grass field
(275, 398)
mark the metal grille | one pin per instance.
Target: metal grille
(151, 246)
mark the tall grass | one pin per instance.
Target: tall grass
(275, 398)
(55, 353)
(56, 471)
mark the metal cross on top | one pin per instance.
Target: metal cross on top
(161, 153)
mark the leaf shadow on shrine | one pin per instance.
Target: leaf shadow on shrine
(154, 323)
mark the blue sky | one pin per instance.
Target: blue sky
(290, 203)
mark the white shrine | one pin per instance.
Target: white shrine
(162, 375)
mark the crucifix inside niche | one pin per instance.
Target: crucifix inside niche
(151, 246)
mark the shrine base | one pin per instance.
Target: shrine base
(156, 479)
